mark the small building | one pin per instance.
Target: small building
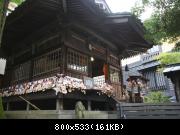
(62, 51)
(173, 72)
(147, 66)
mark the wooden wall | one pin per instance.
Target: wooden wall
(49, 56)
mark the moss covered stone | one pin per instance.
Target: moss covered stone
(79, 110)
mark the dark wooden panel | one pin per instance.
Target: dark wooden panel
(118, 90)
(156, 113)
(154, 117)
(151, 108)
(144, 104)
(150, 111)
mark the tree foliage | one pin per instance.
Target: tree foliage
(169, 58)
(3, 10)
(18, 2)
(164, 23)
(156, 97)
(2, 115)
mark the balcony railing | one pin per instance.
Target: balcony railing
(47, 63)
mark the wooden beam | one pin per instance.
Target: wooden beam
(90, 31)
(116, 20)
(64, 6)
(33, 37)
(140, 45)
(7, 107)
(89, 105)
(26, 10)
(27, 107)
(89, 5)
(29, 103)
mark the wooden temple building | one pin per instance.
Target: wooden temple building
(62, 51)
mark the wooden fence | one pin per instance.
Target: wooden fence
(149, 111)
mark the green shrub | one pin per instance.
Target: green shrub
(2, 115)
(156, 97)
(169, 58)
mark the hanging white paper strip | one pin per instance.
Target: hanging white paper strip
(2, 66)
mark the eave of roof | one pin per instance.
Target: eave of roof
(123, 29)
(172, 68)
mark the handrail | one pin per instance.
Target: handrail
(34, 106)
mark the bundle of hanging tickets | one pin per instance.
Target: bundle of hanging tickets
(59, 83)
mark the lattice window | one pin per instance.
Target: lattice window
(77, 61)
(114, 60)
(48, 62)
(114, 75)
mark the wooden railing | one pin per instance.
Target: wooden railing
(42, 66)
(47, 63)
(21, 72)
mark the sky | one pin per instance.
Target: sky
(125, 6)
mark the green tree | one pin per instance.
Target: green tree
(2, 116)
(164, 23)
(169, 58)
(156, 97)
(3, 11)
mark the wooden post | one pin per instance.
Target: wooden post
(27, 107)
(33, 49)
(177, 88)
(59, 104)
(7, 106)
(120, 79)
(1, 80)
(107, 62)
(64, 59)
(89, 105)
(89, 67)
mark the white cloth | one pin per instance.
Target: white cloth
(2, 66)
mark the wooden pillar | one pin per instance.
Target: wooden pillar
(7, 106)
(177, 88)
(89, 57)
(89, 105)
(107, 62)
(120, 78)
(89, 68)
(64, 58)
(33, 51)
(27, 107)
(1, 80)
(59, 104)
